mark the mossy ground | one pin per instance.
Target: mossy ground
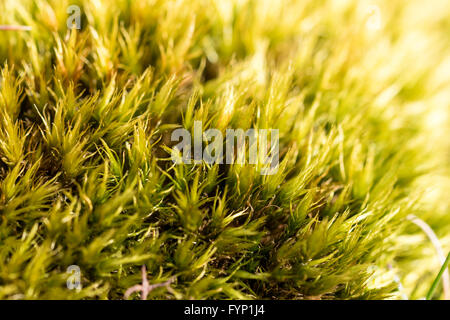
(359, 93)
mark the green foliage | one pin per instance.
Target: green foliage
(86, 177)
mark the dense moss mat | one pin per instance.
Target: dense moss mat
(360, 95)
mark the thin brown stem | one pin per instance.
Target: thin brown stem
(15, 28)
(145, 287)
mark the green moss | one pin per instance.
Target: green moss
(86, 178)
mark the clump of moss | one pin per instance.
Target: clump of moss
(358, 92)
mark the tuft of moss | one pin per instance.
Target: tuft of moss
(359, 93)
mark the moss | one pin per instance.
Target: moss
(359, 94)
